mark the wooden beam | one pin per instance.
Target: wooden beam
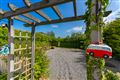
(1, 12)
(75, 8)
(57, 12)
(35, 6)
(10, 58)
(23, 20)
(31, 17)
(46, 0)
(60, 21)
(43, 15)
(13, 8)
(55, 9)
(18, 18)
(107, 13)
(27, 3)
(33, 51)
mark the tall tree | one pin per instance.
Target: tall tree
(112, 36)
(51, 34)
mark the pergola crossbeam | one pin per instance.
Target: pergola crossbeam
(13, 8)
(31, 17)
(57, 12)
(17, 18)
(1, 12)
(55, 9)
(43, 15)
(60, 21)
(35, 6)
(23, 20)
(75, 8)
(27, 3)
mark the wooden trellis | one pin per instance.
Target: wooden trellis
(18, 64)
(23, 11)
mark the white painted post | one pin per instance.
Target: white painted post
(10, 59)
(33, 52)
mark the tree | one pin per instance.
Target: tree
(111, 36)
(51, 34)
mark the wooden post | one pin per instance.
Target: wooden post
(10, 58)
(33, 52)
(58, 43)
(95, 33)
(26, 61)
(20, 42)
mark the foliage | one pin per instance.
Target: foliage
(111, 76)
(42, 40)
(3, 36)
(112, 37)
(91, 64)
(75, 40)
(94, 21)
(41, 64)
(51, 34)
(3, 76)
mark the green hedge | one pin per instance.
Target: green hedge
(41, 64)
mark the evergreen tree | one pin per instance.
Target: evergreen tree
(112, 36)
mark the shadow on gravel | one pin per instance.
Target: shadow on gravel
(113, 64)
(81, 59)
(108, 64)
(77, 50)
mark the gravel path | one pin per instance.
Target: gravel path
(67, 64)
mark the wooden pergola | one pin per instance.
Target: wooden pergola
(23, 11)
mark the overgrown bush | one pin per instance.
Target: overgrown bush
(41, 64)
(3, 76)
(111, 76)
(3, 36)
(92, 64)
(112, 37)
(99, 64)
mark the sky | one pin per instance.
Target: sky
(60, 29)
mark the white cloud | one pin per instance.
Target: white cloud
(112, 16)
(54, 26)
(75, 29)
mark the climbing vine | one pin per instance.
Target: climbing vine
(94, 20)
(94, 17)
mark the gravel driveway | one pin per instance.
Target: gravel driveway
(67, 64)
